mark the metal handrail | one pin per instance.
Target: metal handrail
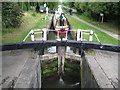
(33, 31)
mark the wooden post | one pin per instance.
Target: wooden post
(77, 51)
(63, 62)
(59, 63)
(61, 59)
(45, 50)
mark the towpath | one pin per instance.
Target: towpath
(116, 36)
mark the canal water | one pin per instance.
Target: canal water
(70, 78)
(50, 77)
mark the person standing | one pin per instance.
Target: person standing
(37, 8)
(70, 11)
(61, 20)
(45, 7)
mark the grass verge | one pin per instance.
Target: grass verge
(104, 38)
(14, 35)
(111, 27)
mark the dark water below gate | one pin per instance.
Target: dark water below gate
(70, 78)
(58, 82)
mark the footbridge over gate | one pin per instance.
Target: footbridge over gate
(42, 41)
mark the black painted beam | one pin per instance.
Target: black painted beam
(48, 43)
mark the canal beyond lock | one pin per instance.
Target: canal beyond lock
(71, 76)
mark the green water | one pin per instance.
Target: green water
(70, 79)
(51, 35)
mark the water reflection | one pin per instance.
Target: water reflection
(61, 81)
(69, 49)
(53, 49)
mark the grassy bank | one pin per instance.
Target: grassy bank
(31, 20)
(104, 38)
(109, 26)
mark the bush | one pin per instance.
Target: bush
(34, 14)
(11, 14)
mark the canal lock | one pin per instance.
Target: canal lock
(52, 76)
(76, 73)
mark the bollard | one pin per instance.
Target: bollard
(32, 35)
(91, 35)
(78, 35)
(44, 34)
(81, 35)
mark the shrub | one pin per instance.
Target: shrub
(34, 14)
(11, 14)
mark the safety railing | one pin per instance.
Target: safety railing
(79, 34)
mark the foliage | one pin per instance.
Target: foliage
(93, 9)
(52, 5)
(12, 11)
(34, 14)
(109, 26)
(68, 4)
(14, 35)
(25, 6)
(11, 14)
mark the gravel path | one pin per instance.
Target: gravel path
(116, 36)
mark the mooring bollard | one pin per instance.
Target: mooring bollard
(91, 35)
(32, 35)
(44, 34)
(79, 35)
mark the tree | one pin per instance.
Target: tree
(93, 9)
(11, 14)
(52, 5)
